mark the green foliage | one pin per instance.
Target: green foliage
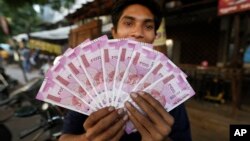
(21, 15)
(21, 19)
(13, 4)
(3, 38)
(55, 4)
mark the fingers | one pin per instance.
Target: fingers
(142, 123)
(147, 108)
(115, 131)
(138, 126)
(155, 119)
(96, 116)
(118, 135)
(107, 126)
(159, 123)
(157, 107)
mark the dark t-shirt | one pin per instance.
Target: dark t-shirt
(73, 124)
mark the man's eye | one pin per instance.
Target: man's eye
(149, 27)
(128, 23)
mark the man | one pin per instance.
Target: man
(137, 19)
(25, 56)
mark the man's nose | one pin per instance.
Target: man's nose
(137, 32)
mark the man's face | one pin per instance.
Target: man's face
(136, 22)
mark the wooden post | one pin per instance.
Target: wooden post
(236, 72)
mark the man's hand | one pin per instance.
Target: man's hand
(106, 124)
(156, 123)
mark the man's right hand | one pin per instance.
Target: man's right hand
(106, 124)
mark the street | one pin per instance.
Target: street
(16, 124)
(14, 71)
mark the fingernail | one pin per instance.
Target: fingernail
(125, 118)
(127, 104)
(120, 111)
(111, 108)
(134, 95)
(134, 131)
(141, 93)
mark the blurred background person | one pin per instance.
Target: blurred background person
(25, 56)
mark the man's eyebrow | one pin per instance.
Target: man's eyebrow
(133, 18)
(149, 20)
(128, 17)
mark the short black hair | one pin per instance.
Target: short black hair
(120, 5)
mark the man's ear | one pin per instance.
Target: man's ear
(113, 31)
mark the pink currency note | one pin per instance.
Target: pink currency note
(63, 78)
(161, 67)
(124, 57)
(141, 63)
(163, 58)
(109, 60)
(171, 90)
(52, 93)
(74, 67)
(90, 60)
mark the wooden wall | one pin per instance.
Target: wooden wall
(89, 30)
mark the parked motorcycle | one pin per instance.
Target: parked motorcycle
(24, 93)
(52, 121)
(24, 105)
(7, 84)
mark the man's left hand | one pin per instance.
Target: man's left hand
(156, 123)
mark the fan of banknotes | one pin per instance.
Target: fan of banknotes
(103, 72)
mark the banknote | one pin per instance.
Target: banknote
(109, 60)
(161, 67)
(52, 93)
(90, 60)
(171, 90)
(142, 61)
(73, 66)
(62, 77)
(124, 57)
